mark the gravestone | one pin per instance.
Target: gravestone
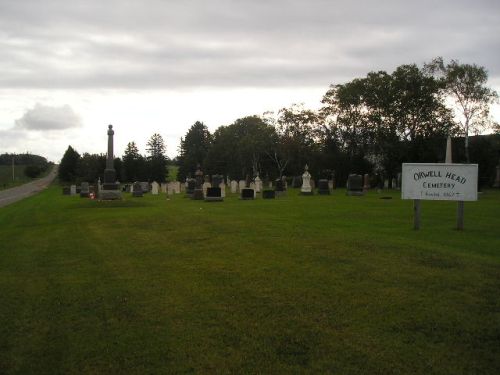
(258, 184)
(252, 186)
(145, 186)
(386, 184)
(355, 184)
(279, 187)
(297, 182)
(137, 189)
(205, 186)
(268, 194)
(198, 191)
(497, 178)
(110, 189)
(164, 187)
(241, 185)
(191, 185)
(84, 190)
(66, 190)
(306, 182)
(217, 179)
(366, 182)
(234, 186)
(323, 187)
(72, 190)
(398, 186)
(177, 187)
(214, 194)
(170, 188)
(393, 183)
(155, 188)
(222, 187)
(330, 184)
(247, 194)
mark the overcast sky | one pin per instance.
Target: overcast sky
(70, 68)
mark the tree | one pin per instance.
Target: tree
(239, 149)
(134, 165)
(297, 130)
(157, 160)
(69, 165)
(466, 85)
(193, 149)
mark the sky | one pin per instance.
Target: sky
(70, 68)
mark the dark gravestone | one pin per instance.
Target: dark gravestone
(214, 194)
(84, 190)
(323, 187)
(144, 186)
(355, 184)
(66, 190)
(198, 190)
(268, 194)
(137, 190)
(279, 187)
(217, 179)
(297, 182)
(247, 194)
(191, 185)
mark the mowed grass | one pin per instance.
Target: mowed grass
(319, 284)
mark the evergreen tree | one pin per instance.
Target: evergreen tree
(193, 149)
(69, 165)
(157, 160)
(134, 165)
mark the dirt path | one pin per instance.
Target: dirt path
(14, 194)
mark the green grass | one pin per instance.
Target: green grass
(320, 284)
(6, 176)
(20, 178)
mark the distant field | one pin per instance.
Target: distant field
(6, 176)
(317, 284)
(172, 172)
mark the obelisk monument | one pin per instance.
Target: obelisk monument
(448, 159)
(110, 189)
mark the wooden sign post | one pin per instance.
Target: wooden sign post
(449, 182)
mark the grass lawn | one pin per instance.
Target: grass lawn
(319, 284)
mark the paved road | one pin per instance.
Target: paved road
(17, 193)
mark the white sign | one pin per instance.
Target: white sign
(448, 182)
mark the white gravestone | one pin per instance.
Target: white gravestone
(72, 190)
(222, 186)
(155, 188)
(163, 187)
(205, 186)
(306, 182)
(241, 185)
(258, 184)
(234, 187)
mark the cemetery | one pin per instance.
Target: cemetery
(363, 264)
(278, 285)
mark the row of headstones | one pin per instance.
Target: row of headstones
(355, 184)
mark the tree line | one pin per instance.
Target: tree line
(367, 125)
(35, 165)
(131, 167)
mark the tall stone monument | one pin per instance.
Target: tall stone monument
(110, 189)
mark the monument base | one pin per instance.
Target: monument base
(109, 195)
(197, 194)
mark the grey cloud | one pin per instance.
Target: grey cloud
(231, 43)
(43, 117)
